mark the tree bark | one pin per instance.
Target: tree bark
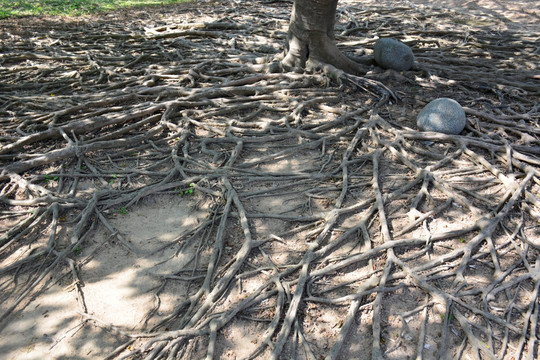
(311, 37)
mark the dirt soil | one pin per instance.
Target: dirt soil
(164, 196)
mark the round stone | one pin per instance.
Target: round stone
(393, 54)
(442, 115)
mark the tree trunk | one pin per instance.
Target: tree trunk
(311, 37)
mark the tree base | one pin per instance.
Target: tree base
(316, 50)
(311, 38)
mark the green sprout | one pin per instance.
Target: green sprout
(450, 318)
(188, 190)
(50, 178)
(123, 210)
(77, 250)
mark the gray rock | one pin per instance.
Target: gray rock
(392, 54)
(442, 115)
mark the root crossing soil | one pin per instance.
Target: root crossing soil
(164, 197)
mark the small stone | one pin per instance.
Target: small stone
(393, 54)
(442, 115)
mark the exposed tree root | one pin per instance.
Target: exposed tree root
(371, 213)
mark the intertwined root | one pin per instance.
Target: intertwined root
(331, 221)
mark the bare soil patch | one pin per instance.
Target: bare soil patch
(162, 197)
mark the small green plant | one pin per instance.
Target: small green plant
(77, 250)
(123, 210)
(450, 318)
(50, 178)
(112, 180)
(187, 191)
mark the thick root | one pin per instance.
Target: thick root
(319, 48)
